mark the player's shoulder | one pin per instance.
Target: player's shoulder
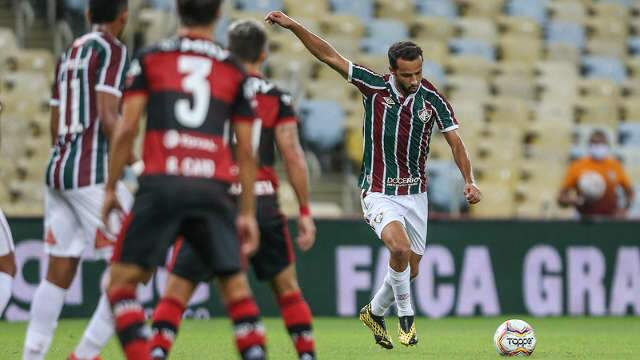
(266, 86)
(428, 85)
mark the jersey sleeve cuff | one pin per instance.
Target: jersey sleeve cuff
(109, 90)
(450, 128)
(350, 74)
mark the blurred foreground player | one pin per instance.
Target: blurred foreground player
(591, 183)
(84, 111)
(274, 261)
(7, 260)
(193, 93)
(401, 109)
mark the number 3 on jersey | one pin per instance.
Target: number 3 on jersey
(196, 81)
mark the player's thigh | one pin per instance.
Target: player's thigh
(386, 219)
(147, 232)
(416, 219)
(63, 233)
(275, 253)
(234, 287)
(179, 289)
(6, 240)
(285, 282)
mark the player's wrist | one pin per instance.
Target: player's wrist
(305, 210)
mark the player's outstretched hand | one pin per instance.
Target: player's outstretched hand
(278, 17)
(247, 228)
(472, 193)
(306, 233)
(111, 204)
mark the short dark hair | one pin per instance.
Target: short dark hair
(599, 132)
(247, 39)
(106, 11)
(405, 50)
(198, 12)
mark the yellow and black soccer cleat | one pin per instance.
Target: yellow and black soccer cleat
(407, 331)
(376, 325)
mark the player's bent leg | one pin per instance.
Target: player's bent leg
(47, 303)
(295, 311)
(168, 314)
(245, 315)
(7, 272)
(127, 311)
(414, 263)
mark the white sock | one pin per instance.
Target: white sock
(46, 306)
(99, 331)
(401, 285)
(6, 282)
(383, 298)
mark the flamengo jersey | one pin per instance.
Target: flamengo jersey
(397, 132)
(273, 109)
(195, 91)
(95, 62)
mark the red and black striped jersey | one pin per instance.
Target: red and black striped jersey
(274, 108)
(195, 91)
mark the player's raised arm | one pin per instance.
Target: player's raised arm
(321, 49)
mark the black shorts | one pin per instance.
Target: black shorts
(199, 210)
(273, 256)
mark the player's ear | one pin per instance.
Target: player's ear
(263, 56)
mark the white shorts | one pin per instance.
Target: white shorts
(73, 224)
(411, 211)
(6, 240)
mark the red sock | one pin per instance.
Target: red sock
(297, 318)
(129, 321)
(164, 329)
(249, 331)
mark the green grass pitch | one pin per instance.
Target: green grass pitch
(471, 338)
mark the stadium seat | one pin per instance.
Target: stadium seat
(434, 50)
(434, 72)
(485, 8)
(598, 88)
(497, 202)
(554, 112)
(598, 112)
(634, 46)
(469, 65)
(629, 135)
(431, 27)
(610, 10)
(312, 9)
(402, 10)
(322, 123)
(353, 144)
(570, 11)
(532, 9)
(442, 8)
(515, 68)
(8, 44)
(616, 48)
(630, 108)
(519, 26)
(363, 9)
(348, 26)
(605, 68)
(37, 60)
(472, 47)
(25, 83)
(157, 24)
(598, 28)
(381, 34)
(562, 52)
(477, 28)
(568, 33)
(259, 5)
(521, 49)
(507, 111)
(461, 87)
(521, 87)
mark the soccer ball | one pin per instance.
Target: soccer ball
(515, 338)
(592, 185)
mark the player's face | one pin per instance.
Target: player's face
(408, 74)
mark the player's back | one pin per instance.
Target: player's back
(195, 93)
(95, 62)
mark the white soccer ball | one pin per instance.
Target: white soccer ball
(592, 185)
(515, 338)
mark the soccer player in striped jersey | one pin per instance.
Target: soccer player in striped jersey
(7, 260)
(84, 110)
(401, 109)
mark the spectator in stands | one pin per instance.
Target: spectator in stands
(592, 182)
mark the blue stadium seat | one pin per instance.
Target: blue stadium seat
(533, 9)
(473, 47)
(604, 68)
(634, 45)
(383, 33)
(562, 32)
(629, 134)
(221, 30)
(626, 3)
(259, 5)
(363, 9)
(442, 8)
(433, 72)
(323, 123)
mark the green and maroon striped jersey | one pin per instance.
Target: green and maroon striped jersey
(397, 132)
(95, 62)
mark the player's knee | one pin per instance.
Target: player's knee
(285, 283)
(126, 275)
(399, 249)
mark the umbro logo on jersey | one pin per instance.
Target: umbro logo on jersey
(388, 101)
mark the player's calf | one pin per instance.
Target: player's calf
(297, 318)
(248, 329)
(164, 329)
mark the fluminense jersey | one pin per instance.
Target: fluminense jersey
(397, 132)
(195, 92)
(95, 62)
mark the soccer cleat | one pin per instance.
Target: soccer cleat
(376, 325)
(407, 331)
(74, 357)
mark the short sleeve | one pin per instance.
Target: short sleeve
(55, 89)
(136, 78)
(242, 109)
(112, 67)
(286, 114)
(446, 119)
(367, 81)
(571, 177)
